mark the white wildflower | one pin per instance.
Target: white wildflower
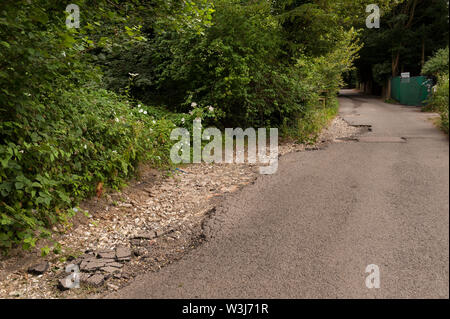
(193, 104)
(182, 120)
(210, 108)
(145, 112)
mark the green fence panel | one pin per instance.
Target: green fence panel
(411, 91)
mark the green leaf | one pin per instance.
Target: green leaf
(45, 251)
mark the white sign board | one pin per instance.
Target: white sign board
(404, 75)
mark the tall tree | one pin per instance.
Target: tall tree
(412, 31)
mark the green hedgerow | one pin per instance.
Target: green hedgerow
(56, 154)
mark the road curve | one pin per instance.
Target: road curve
(310, 230)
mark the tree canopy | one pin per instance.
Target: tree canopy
(410, 33)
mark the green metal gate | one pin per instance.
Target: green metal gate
(411, 91)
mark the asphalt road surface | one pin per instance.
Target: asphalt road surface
(311, 229)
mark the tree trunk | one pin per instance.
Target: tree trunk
(422, 61)
(395, 64)
(388, 89)
(410, 11)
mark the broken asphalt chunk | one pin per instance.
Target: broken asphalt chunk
(145, 235)
(123, 253)
(39, 269)
(96, 280)
(110, 254)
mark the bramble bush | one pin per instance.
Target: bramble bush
(438, 66)
(62, 151)
(440, 102)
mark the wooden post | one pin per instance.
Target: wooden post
(388, 89)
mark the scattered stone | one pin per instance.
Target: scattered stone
(39, 268)
(96, 280)
(77, 261)
(104, 260)
(106, 254)
(65, 283)
(123, 253)
(139, 251)
(159, 232)
(135, 242)
(110, 270)
(84, 277)
(91, 265)
(113, 287)
(145, 235)
(15, 294)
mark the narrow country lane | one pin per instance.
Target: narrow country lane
(310, 230)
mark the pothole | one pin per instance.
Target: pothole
(363, 127)
(347, 139)
(381, 139)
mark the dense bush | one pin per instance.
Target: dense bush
(61, 154)
(440, 101)
(438, 64)
(232, 67)
(239, 65)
